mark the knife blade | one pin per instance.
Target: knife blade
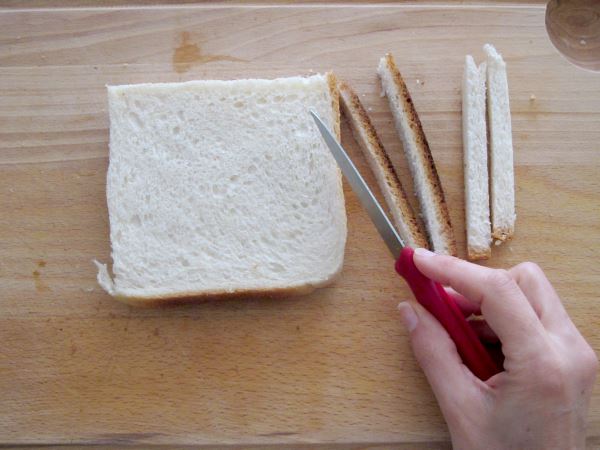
(381, 221)
(428, 293)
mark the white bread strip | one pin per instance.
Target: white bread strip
(477, 200)
(502, 186)
(402, 213)
(425, 178)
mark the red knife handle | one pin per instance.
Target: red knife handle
(436, 300)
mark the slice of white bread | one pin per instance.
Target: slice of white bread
(425, 178)
(502, 183)
(477, 199)
(222, 189)
(379, 162)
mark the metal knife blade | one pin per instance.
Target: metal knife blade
(362, 191)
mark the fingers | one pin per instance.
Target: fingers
(436, 354)
(540, 293)
(467, 306)
(483, 331)
(502, 302)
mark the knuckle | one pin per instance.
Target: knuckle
(553, 376)
(426, 358)
(584, 363)
(529, 269)
(548, 364)
(562, 378)
(589, 364)
(499, 279)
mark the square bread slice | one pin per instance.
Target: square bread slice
(502, 172)
(222, 188)
(477, 199)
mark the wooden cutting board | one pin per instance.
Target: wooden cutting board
(77, 367)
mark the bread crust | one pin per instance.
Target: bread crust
(335, 101)
(376, 154)
(425, 157)
(188, 297)
(476, 254)
(503, 234)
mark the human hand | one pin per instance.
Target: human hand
(541, 399)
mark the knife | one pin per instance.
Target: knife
(428, 293)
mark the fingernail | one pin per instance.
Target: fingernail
(409, 317)
(423, 252)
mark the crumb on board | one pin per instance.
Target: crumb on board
(532, 97)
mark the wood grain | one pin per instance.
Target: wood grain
(20, 4)
(332, 368)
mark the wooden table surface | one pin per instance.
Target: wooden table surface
(333, 368)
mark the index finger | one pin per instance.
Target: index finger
(542, 296)
(502, 302)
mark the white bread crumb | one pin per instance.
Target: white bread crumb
(222, 187)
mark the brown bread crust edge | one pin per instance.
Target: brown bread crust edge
(359, 120)
(426, 158)
(477, 255)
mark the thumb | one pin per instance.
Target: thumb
(436, 353)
